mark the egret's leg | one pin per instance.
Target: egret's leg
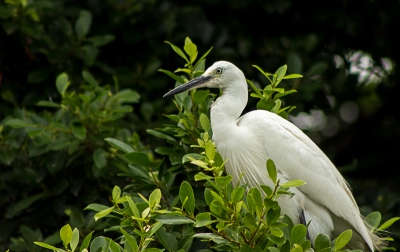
(303, 221)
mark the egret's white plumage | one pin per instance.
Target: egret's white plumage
(247, 142)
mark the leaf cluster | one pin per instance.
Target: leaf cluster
(226, 216)
(63, 141)
(270, 95)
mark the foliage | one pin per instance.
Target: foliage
(39, 40)
(269, 98)
(224, 217)
(61, 144)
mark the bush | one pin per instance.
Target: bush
(205, 211)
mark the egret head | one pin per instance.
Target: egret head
(220, 75)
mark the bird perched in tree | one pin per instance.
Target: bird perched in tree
(248, 141)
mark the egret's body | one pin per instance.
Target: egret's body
(247, 142)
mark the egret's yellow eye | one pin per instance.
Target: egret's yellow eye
(219, 70)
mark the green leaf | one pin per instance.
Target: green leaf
(75, 239)
(202, 176)
(250, 223)
(267, 190)
(237, 195)
(44, 245)
(255, 194)
(277, 240)
(191, 50)
(388, 223)
(373, 219)
(18, 123)
(210, 150)
(86, 241)
(321, 242)
(154, 199)
(205, 122)
(99, 158)
(66, 234)
(178, 51)
(167, 240)
(83, 23)
(112, 245)
(343, 239)
(173, 219)
(88, 77)
(277, 96)
(271, 170)
(185, 70)
(103, 213)
(133, 208)
(273, 249)
(119, 145)
(172, 75)
(293, 76)
(62, 83)
(298, 233)
(187, 197)
(280, 73)
(192, 156)
(258, 93)
(161, 135)
(130, 240)
(245, 248)
(138, 158)
(78, 130)
(48, 104)
(265, 105)
(223, 181)
(202, 58)
(277, 232)
(96, 207)
(101, 40)
(203, 219)
(98, 244)
(293, 183)
(199, 96)
(127, 95)
(278, 104)
(116, 193)
(89, 54)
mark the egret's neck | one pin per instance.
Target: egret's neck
(227, 108)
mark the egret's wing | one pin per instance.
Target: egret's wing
(298, 157)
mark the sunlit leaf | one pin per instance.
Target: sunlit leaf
(62, 83)
(116, 193)
(293, 183)
(66, 234)
(103, 213)
(343, 239)
(75, 239)
(388, 223)
(86, 242)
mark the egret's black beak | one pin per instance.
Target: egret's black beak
(194, 83)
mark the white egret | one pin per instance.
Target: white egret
(247, 142)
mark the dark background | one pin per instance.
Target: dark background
(306, 35)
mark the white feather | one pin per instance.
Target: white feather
(259, 135)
